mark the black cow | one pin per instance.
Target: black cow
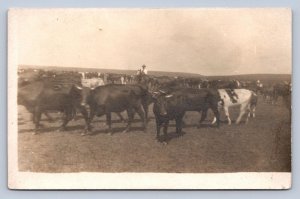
(268, 93)
(173, 105)
(222, 84)
(254, 85)
(281, 89)
(38, 98)
(104, 100)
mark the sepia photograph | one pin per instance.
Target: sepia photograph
(185, 98)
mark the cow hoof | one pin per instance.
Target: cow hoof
(126, 130)
(145, 130)
(104, 125)
(61, 129)
(180, 134)
(86, 133)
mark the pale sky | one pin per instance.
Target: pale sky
(204, 41)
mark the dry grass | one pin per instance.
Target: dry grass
(264, 144)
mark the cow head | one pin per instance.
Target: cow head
(161, 99)
(81, 94)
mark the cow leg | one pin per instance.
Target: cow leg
(227, 115)
(275, 98)
(216, 117)
(32, 117)
(179, 124)
(249, 113)
(145, 107)
(142, 116)
(166, 124)
(253, 111)
(130, 114)
(66, 120)
(87, 120)
(108, 121)
(68, 115)
(214, 120)
(158, 126)
(203, 116)
(121, 117)
(37, 118)
(73, 114)
(242, 112)
(48, 117)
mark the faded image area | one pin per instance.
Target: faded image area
(153, 90)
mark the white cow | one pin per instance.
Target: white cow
(244, 98)
(122, 78)
(92, 83)
(82, 75)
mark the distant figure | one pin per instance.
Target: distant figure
(142, 71)
(82, 75)
(122, 78)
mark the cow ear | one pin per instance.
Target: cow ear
(168, 96)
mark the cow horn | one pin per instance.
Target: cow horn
(164, 92)
(168, 96)
(78, 87)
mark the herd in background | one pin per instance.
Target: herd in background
(270, 91)
(96, 94)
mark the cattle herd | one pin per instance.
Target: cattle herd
(93, 94)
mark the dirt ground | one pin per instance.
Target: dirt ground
(263, 145)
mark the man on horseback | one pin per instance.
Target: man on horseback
(142, 71)
(142, 74)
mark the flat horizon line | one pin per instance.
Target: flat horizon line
(93, 68)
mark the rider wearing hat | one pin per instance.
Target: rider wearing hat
(142, 71)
